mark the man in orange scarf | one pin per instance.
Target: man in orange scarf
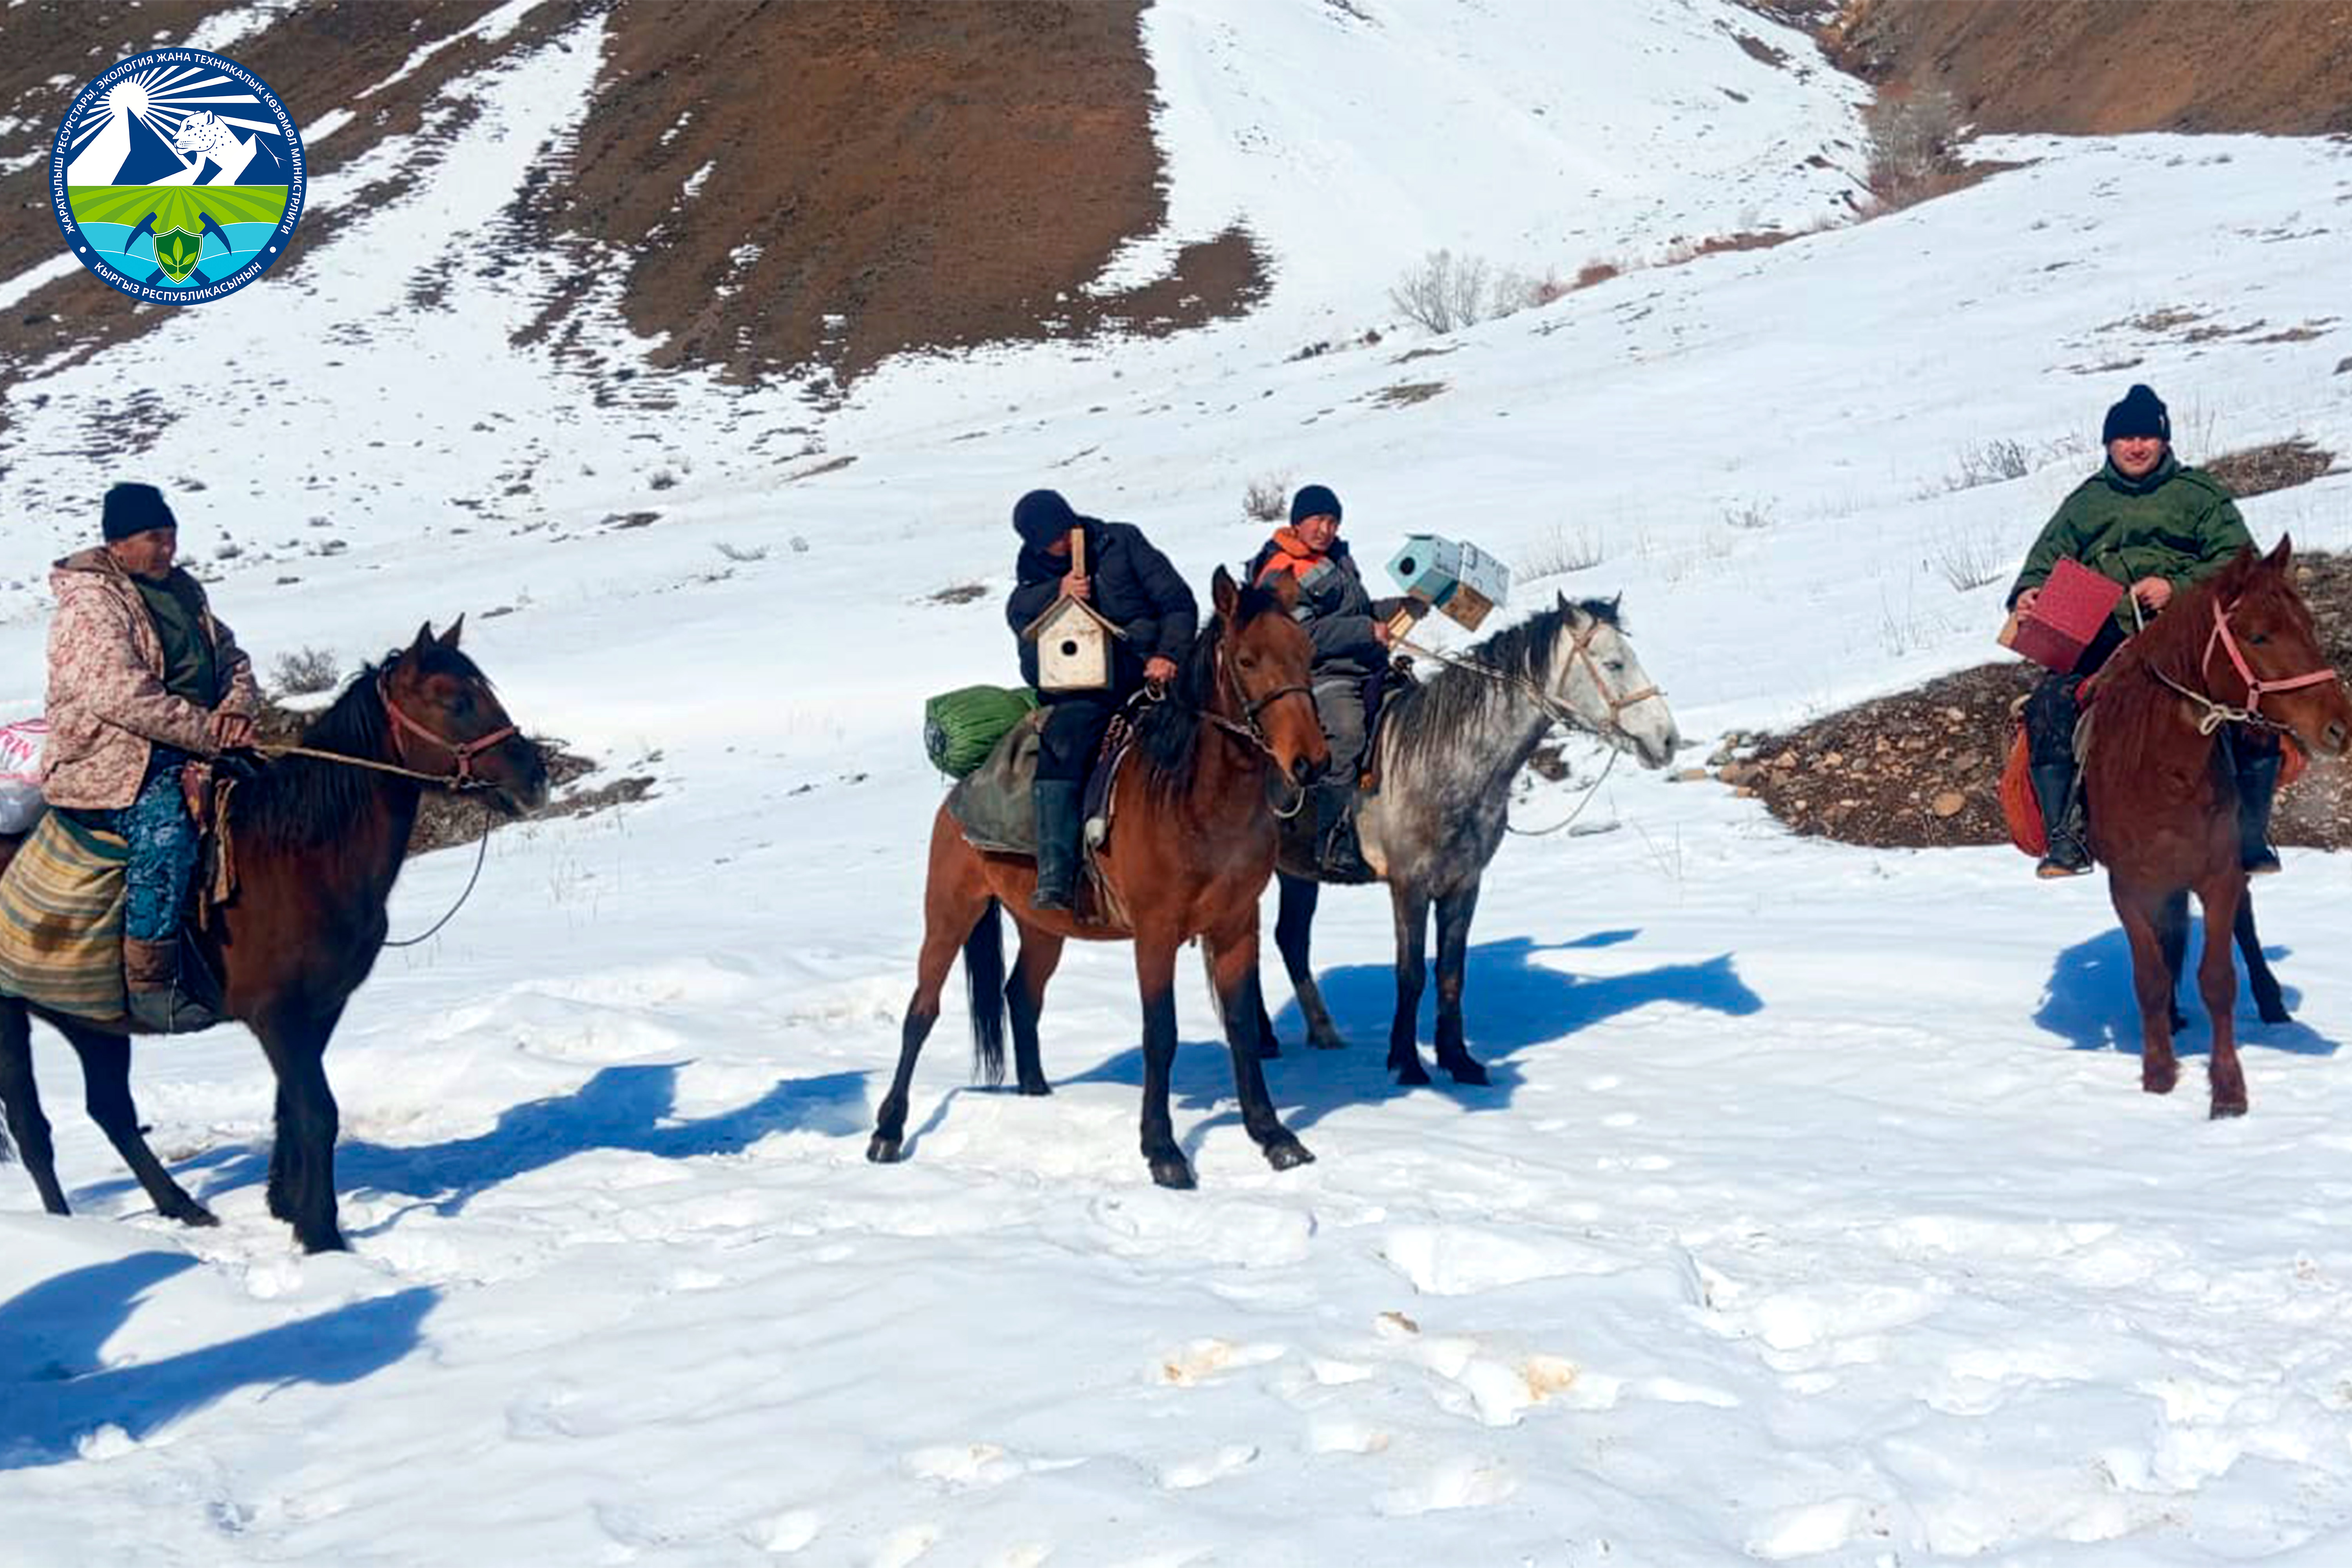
(1351, 640)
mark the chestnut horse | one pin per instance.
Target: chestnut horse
(2163, 802)
(1192, 852)
(317, 847)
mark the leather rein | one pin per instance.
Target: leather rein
(2218, 714)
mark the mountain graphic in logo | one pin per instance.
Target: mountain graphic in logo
(177, 176)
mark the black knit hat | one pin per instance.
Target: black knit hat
(2141, 413)
(1314, 501)
(1040, 517)
(135, 509)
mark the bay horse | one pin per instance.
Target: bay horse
(1191, 850)
(1447, 753)
(2239, 649)
(318, 845)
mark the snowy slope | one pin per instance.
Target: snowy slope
(1814, 1214)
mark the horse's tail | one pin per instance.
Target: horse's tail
(983, 974)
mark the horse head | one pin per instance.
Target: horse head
(2263, 652)
(1598, 677)
(1263, 657)
(445, 720)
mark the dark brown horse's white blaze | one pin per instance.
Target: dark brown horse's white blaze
(317, 846)
(2239, 650)
(1192, 850)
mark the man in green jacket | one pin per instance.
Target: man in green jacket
(2155, 527)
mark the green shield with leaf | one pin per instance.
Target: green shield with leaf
(178, 252)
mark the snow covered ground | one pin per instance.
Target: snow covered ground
(1814, 1213)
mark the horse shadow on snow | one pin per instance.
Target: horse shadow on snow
(1511, 1003)
(2090, 1003)
(626, 1107)
(55, 1390)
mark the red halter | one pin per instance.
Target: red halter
(464, 752)
(2255, 687)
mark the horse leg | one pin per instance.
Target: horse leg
(2259, 978)
(2172, 932)
(1155, 979)
(1233, 974)
(106, 1089)
(1410, 906)
(308, 1123)
(1294, 930)
(1024, 997)
(2217, 978)
(2152, 983)
(953, 905)
(21, 1101)
(1453, 912)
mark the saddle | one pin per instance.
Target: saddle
(1381, 688)
(994, 808)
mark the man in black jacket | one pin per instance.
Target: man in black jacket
(1129, 583)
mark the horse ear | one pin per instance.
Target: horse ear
(1224, 592)
(2282, 557)
(1560, 594)
(424, 639)
(449, 638)
(1286, 591)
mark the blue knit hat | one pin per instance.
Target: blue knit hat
(135, 509)
(1042, 517)
(1314, 501)
(2141, 413)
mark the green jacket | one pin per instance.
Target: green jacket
(2177, 523)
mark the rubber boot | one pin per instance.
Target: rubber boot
(1335, 850)
(2061, 820)
(1058, 821)
(151, 975)
(2258, 778)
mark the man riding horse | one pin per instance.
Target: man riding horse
(1351, 637)
(143, 677)
(2154, 525)
(1129, 583)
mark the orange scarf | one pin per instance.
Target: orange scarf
(1290, 554)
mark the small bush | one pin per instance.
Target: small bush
(1968, 560)
(306, 670)
(1756, 515)
(1594, 272)
(1990, 463)
(1267, 498)
(1912, 138)
(1563, 550)
(1442, 294)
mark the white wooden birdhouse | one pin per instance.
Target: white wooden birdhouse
(1074, 648)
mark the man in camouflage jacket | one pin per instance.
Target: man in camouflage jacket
(142, 678)
(2155, 526)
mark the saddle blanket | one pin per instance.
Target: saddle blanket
(61, 903)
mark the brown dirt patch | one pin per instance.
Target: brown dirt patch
(1922, 768)
(2105, 67)
(2282, 465)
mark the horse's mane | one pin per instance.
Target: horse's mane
(1166, 736)
(300, 801)
(2134, 707)
(1456, 698)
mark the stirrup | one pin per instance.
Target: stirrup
(2053, 869)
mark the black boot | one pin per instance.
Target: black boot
(1336, 849)
(2061, 820)
(151, 974)
(1058, 812)
(2258, 777)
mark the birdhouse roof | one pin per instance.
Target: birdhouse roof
(1057, 610)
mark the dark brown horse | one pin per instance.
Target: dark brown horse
(317, 847)
(1192, 852)
(2238, 650)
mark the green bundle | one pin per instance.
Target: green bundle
(961, 728)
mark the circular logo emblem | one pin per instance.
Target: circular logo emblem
(177, 176)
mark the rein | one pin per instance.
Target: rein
(1248, 730)
(2218, 714)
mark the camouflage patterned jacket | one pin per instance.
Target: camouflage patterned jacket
(106, 705)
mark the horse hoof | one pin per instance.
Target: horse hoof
(1327, 1042)
(1269, 1049)
(331, 1241)
(2154, 1083)
(1035, 1087)
(1467, 1071)
(194, 1213)
(2275, 1014)
(2226, 1108)
(1287, 1154)
(1175, 1173)
(884, 1150)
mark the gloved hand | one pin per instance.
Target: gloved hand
(242, 763)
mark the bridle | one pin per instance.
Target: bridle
(462, 752)
(2216, 713)
(1580, 652)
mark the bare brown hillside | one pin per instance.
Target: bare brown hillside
(2110, 66)
(781, 185)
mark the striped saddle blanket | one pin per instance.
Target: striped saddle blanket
(61, 902)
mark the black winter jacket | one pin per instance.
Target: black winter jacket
(1135, 589)
(1336, 611)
